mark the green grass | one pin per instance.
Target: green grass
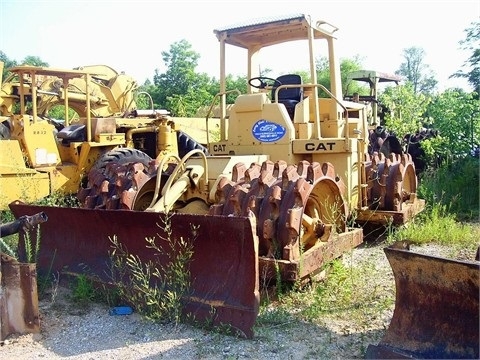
(439, 226)
(353, 292)
(451, 217)
(455, 186)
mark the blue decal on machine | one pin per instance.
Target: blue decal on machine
(267, 131)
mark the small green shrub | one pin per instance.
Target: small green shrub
(60, 200)
(83, 290)
(8, 244)
(274, 316)
(155, 289)
(32, 248)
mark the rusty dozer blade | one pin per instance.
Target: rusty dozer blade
(223, 269)
(436, 312)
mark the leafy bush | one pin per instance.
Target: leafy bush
(452, 207)
(456, 117)
(59, 199)
(454, 186)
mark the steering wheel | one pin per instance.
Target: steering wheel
(264, 82)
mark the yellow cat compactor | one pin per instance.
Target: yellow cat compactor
(274, 197)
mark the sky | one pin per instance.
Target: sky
(130, 36)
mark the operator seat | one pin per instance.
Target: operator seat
(290, 97)
(72, 133)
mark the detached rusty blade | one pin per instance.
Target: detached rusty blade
(224, 266)
(19, 312)
(436, 312)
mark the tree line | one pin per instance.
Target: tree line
(453, 113)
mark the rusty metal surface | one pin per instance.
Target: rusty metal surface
(300, 215)
(312, 259)
(224, 267)
(295, 207)
(409, 210)
(436, 312)
(19, 313)
(117, 186)
(391, 190)
(293, 204)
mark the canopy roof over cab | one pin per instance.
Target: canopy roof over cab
(275, 30)
(372, 76)
(257, 34)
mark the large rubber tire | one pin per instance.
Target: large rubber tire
(122, 156)
(94, 192)
(186, 144)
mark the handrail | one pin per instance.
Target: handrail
(210, 110)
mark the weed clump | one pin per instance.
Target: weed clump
(155, 288)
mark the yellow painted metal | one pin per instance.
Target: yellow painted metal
(38, 142)
(35, 163)
(27, 187)
(11, 158)
(64, 179)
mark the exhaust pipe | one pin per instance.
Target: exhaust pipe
(23, 223)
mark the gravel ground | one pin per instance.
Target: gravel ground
(79, 333)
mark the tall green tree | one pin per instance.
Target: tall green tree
(34, 61)
(416, 71)
(408, 109)
(456, 116)
(180, 89)
(7, 64)
(347, 65)
(471, 67)
(234, 83)
(28, 60)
